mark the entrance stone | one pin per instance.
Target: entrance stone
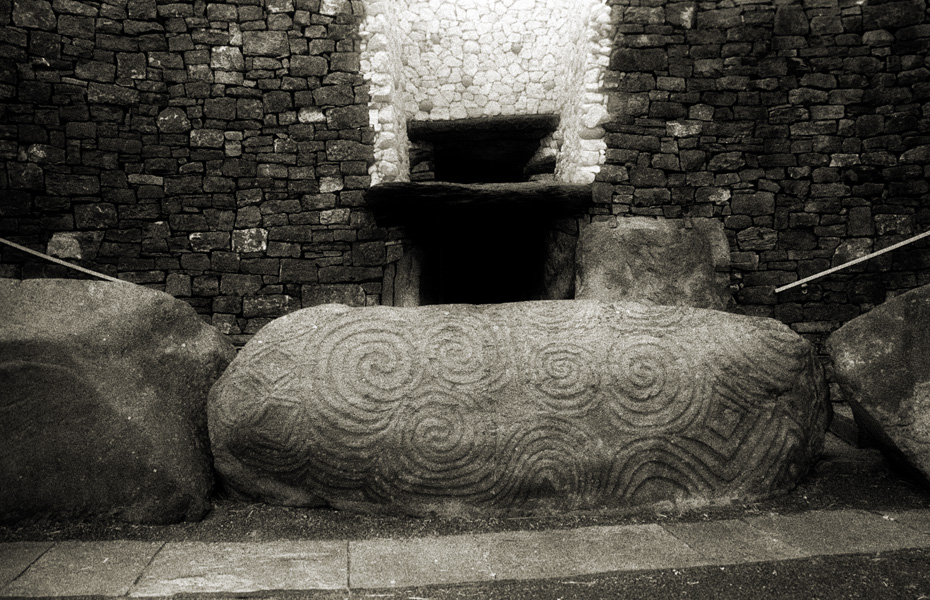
(667, 262)
(522, 407)
(882, 365)
(103, 389)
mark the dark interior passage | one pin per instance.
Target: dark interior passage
(477, 260)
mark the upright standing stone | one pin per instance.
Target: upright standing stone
(103, 388)
(882, 365)
(519, 407)
(655, 261)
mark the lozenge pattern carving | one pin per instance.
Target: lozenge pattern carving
(516, 407)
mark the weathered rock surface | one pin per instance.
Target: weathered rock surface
(882, 365)
(519, 407)
(654, 261)
(103, 403)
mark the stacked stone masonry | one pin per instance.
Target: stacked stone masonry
(803, 125)
(217, 151)
(221, 151)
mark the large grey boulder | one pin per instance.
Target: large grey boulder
(520, 407)
(882, 365)
(103, 402)
(657, 261)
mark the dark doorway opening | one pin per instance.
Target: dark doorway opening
(482, 259)
(480, 243)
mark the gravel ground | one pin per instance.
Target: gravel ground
(877, 487)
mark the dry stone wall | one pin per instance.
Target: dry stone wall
(221, 152)
(802, 125)
(217, 151)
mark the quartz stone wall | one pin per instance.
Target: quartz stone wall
(431, 60)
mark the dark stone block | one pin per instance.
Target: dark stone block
(95, 216)
(34, 14)
(308, 66)
(791, 20)
(339, 150)
(260, 266)
(639, 59)
(188, 184)
(345, 61)
(249, 108)
(112, 94)
(131, 65)
(277, 101)
(45, 45)
(265, 43)
(95, 70)
(350, 274)
(75, 26)
(220, 108)
(893, 15)
(240, 285)
(72, 185)
(25, 176)
(333, 95)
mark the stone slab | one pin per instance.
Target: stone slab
(514, 555)
(198, 567)
(880, 360)
(85, 569)
(588, 550)
(17, 556)
(518, 408)
(729, 542)
(839, 532)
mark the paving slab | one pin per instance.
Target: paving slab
(514, 555)
(85, 569)
(731, 542)
(823, 532)
(197, 567)
(382, 563)
(17, 556)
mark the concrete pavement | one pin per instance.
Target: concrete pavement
(141, 569)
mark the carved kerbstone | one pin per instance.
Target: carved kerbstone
(521, 407)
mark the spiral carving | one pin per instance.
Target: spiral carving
(365, 368)
(544, 459)
(522, 407)
(468, 353)
(440, 451)
(566, 378)
(656, 388)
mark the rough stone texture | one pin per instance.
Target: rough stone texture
(529, 406)
(882, 365)
(800, 125)
(493, 57)
(797, 124)
(182, 145)
(655, 261)
(103, 404)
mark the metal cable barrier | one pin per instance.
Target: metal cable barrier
(59, 261)
(910, 240)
